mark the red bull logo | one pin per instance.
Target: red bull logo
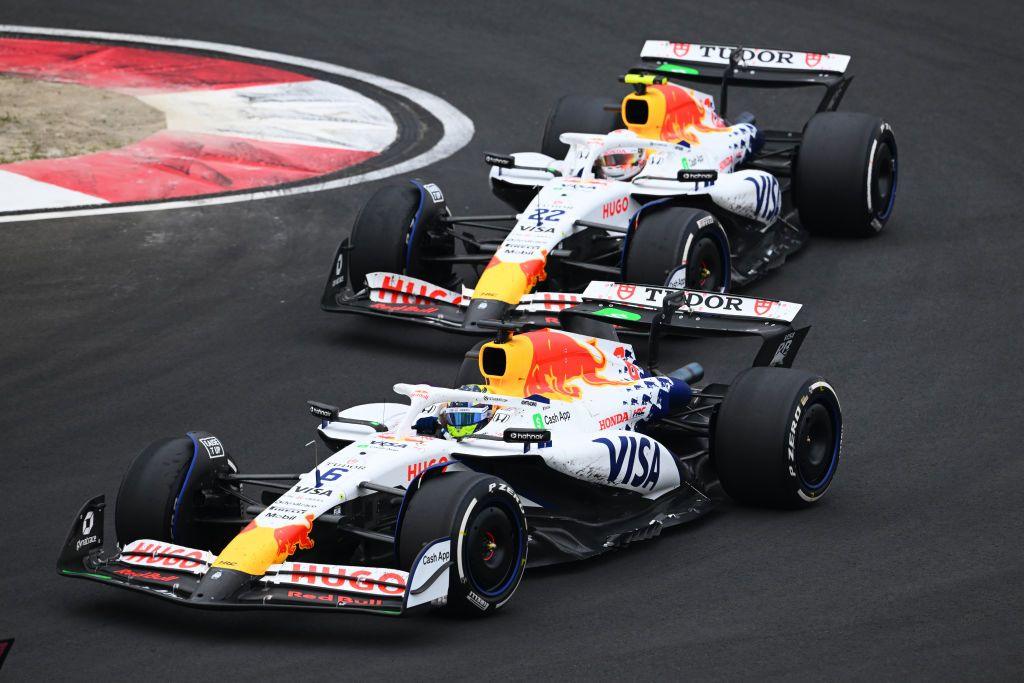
(560, 361)
(508, 281)
(257, 547)
(335, 599)
(149, 576)
(293, 536)
(676, 115)
(534, 271)
(405, 308)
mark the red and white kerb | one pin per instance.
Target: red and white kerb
(231, 125)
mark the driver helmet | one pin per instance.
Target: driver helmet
(461, 418)
(621, 163)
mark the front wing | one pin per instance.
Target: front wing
(390, 295)
(173, 572)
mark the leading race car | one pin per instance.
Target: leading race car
(564, 448)
(676, 194)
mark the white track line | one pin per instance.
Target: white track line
(458, 128)
(22, 192)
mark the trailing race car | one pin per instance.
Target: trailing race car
(663, 190)
(564, 448)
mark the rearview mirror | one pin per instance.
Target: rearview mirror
(691, 176)
(500, 160)
(514, 435)
(324, 411)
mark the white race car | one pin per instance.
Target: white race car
(563, 449)
(663, 190)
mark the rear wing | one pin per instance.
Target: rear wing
(750, 67)
(747, 59)
(658, 311)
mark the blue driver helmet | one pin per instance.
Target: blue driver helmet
(461, 419)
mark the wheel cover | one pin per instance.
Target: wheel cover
(817, 445)
(493, 548)
(704, 268)
(883, 185)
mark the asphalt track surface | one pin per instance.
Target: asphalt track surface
(120, 329)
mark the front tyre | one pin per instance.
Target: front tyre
(776, 437)
(678, 247)
(394, 234)
(170, 486)
(845, 174)
(486, 522)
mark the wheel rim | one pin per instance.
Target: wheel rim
(816, 445)
(704, 267)
(492, 548)
(883, 186)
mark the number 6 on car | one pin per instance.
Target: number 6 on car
(558, 447)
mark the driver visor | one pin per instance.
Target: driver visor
(463, 417)
(621, 159)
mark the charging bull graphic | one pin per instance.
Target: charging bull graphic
(675, 114)
(557, 365)
(560, 361)
(257, 547)
(508, 281)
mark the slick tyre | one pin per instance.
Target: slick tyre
(485, 520)
(844, 178)
(577, 114)
(167, 487)
(381, 235)
(469, 371)
(776, 438)
(678, 247)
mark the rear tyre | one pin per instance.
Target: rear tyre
(381, 238)
(577, 114)
(679, 247)
(485, 520)
(469, 371)
(844, 180)
(776, 437)
(165, 488)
